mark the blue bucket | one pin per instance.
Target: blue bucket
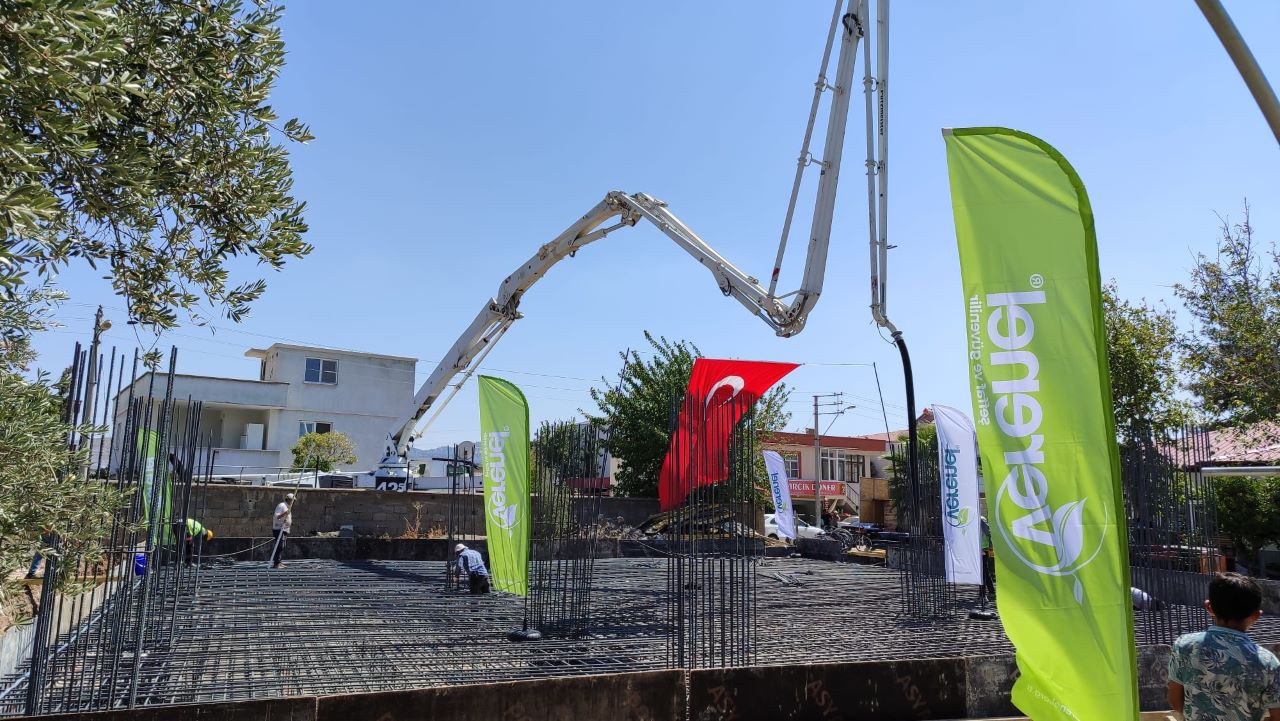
(140, 564)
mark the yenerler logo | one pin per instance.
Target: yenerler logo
(495, 471)
(1048, 540)
(957, 516)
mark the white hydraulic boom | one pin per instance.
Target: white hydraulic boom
(785, 313)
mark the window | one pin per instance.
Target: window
(793, 464)
(322, 370)
(305, 427)
(840, 465)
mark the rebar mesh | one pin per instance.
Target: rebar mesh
(1172, 523)
(568, 472)
(103, 608)
(922, 573)
(332, 627)
(712, 543)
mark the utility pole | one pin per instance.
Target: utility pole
(817, 447)
(817, 466)
(86, 414)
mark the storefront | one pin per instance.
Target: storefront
(838, 498)
(844, 463)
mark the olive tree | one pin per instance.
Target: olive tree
(322, 451)
(637, 410)
(136, 136)
(43, 493)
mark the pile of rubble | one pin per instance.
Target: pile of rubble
(715, 521)
(613, 529)
(709, 522)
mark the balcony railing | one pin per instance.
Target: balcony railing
(260, 476)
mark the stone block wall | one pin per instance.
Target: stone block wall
(245, 511)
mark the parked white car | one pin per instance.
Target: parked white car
(804, 530)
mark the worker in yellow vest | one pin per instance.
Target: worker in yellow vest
(191, 531)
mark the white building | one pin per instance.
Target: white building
(252, 425)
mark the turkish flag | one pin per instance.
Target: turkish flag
(719, 393)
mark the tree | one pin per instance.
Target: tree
(322, 451)
(42, 491)
(900, 467)
(136, 134)
(1142, 344)
(1249, 514)
(1233, 353)
(638, 412)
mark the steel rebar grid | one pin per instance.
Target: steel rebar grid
(923, 587)
(1172, 524)
(91, 606)
(714, 548)
(328, 627)
(569, 463)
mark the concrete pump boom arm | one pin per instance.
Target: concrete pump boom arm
(786, 318)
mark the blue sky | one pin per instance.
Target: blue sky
(455, 138)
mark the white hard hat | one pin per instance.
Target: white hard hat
(459, 548)
(288, 496)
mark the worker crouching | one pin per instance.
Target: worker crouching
(471, 566)
(192, 532)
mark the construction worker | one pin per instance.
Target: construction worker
(281, 522)
(191, 531)
(471, 564)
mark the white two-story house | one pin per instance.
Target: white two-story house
(251, 426)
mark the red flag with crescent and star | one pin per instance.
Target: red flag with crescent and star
(719, 393)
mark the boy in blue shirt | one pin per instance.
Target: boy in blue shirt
(1220, 674)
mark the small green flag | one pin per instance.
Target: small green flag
(504, 448)
(1041, 392)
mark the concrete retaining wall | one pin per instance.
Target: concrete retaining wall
(258, 548)
(650, 696)
(872, 691)
(337, 549)
(949, 688)
(246, 510)
(989, 681)
(924, 689)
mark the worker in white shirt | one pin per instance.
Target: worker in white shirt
(281, 522)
